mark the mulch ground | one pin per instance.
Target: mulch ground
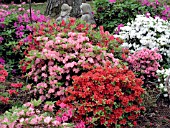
(156, 117)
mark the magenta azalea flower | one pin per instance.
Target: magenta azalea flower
(112, 1)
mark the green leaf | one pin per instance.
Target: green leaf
(36, 102)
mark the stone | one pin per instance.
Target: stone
(65, 13)
(86, 12)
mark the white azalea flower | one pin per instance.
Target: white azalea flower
(165, 95)
(149, 32)
(161, 86)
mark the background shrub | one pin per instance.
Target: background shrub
(148, 32)
(15, 25)
(110, 15)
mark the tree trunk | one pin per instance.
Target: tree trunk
(54, 7)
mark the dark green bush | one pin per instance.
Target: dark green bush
(110, 15)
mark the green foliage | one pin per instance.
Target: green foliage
(110, 15)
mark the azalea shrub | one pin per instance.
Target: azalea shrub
(15, 25)
(56, 52)
(145, 64)
(148, 32)
(111, 13)
(106, 97)
(30, 114)
(52, 66)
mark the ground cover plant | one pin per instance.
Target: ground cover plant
(79, 75)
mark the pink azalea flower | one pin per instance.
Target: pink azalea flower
(112, 1)
(64, 118)
(62, 105)
(56, 123)
(28, 86)
(48, 119)
(51, 90)
(45, 107)
(34, 121)
(21, 120)
(42, 98)
(58, 118)
(68, 77)
(147, 14)
(70, 113)
(50, 108)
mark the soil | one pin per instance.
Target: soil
(156, 117)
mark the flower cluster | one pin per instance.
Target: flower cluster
(150, 33)
(64, 113)
(163, 75)
(2, 61)
(145, 63)
(16, 85)
(3, 74)
(105, 96)
(30, 115)
(4, 100)
(112, 1)
(165, 13)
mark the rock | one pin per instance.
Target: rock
(65, 13)
(87, 13)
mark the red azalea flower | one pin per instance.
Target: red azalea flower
(2, 78)
(1, 66)
(72, 21)
(16, 85)
(24, 68)
(123, 121)
(119, 40)
(12, 92)
(125, 101)
(63, 23)
(4, 100)
(124, 56)
(134, 123)
(4, 73)
(80, 27)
